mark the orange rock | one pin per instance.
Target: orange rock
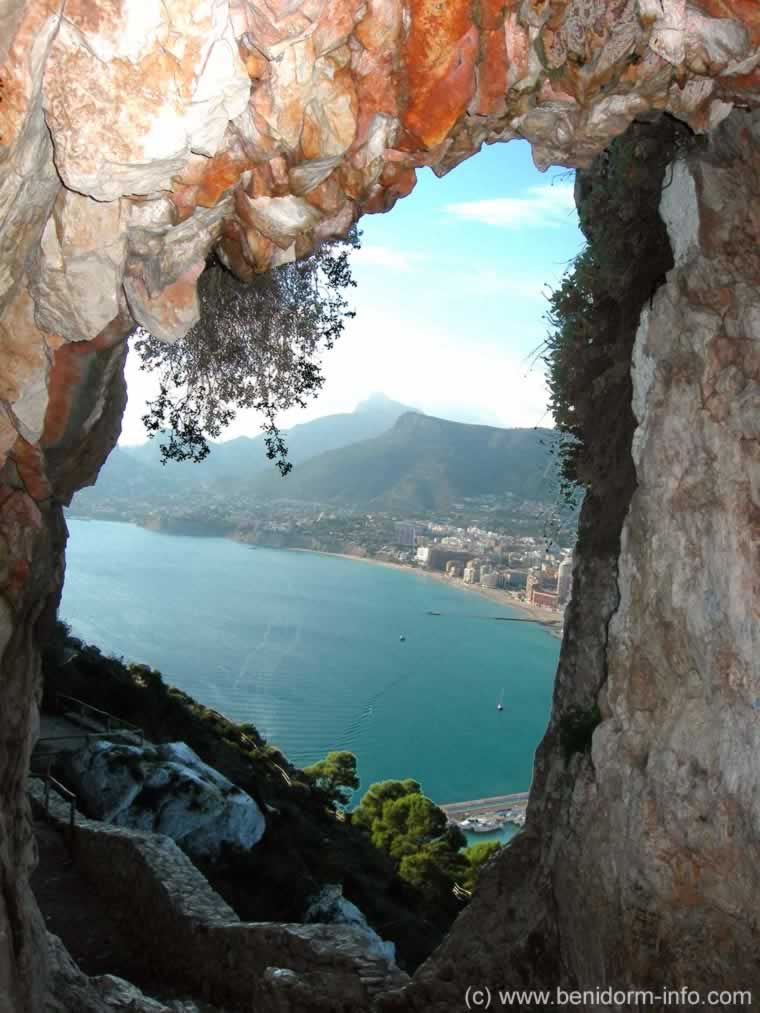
(171, 312)
(256, 65)
(351, 181)
(493, 12)
(184, 200)
(739, 85)
(376, 87)
(232, 252)
(260, 183)
(22, 63)
(257, 250)
(492, 83)
(30, 464)
(379, 29)
(439, 59)
(222, 174)
(335, 24)
(328, 197)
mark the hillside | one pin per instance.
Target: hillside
(126, 477)
(137, 472)
(422, 463)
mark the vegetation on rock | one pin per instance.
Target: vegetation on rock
(421, 464)
(256, 345)
(594, 317)
(478, 856)
(336, 775)
(304, 847)
(625, 259)
(429, 853)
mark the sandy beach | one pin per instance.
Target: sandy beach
(550, 620)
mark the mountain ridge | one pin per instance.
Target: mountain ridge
(233, 459)
(383, 456)
(421, 463)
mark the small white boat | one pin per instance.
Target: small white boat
(402, 638)
(500, 704)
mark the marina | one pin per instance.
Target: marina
(485, 815)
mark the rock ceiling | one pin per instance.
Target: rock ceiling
(135, 135)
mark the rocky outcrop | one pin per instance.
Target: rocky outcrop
(135, 138)
(72, 990)
(638, 864)
(189, 939)
(165, 789)
(330, 907)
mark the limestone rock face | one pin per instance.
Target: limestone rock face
(70, 989)
(638, 867)
(165, 789)
(332, 908)
(136, 138)
(311, 113)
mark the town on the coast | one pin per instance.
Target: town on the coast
(515, 551)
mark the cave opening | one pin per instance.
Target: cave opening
(129, 146)
(465, 359)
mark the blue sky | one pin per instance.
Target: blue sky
(450, 298)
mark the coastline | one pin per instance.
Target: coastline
(549, 620)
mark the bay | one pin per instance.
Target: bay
(307, 647)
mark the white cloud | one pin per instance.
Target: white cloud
(546, 206)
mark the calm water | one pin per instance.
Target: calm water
(307, 648)
(506, 833)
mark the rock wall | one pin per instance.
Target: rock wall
(134, 138)
(638, 867)
(191, 939)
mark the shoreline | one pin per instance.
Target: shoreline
(549, 620)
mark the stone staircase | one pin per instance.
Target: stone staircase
(188, 935)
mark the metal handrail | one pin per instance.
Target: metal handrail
(68, 796)
(63, 791)
(87, 737)
(285, 776)
(112, 723)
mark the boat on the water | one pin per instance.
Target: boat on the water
(500, 704)
(402, 638)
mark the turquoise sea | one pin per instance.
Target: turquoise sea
(307, 648)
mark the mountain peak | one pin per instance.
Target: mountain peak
(380, 404)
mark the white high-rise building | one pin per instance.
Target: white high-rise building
(564, 579)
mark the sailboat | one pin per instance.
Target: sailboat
(500, 704)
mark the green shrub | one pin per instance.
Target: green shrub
(625, 259)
